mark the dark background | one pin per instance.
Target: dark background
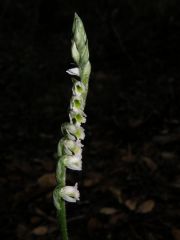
(130, 184)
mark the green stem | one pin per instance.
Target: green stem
(62, 220)
(62, 211)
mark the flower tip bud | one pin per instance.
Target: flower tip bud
(76, 15)
(75, 53)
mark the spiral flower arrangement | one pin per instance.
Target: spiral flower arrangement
(69, 150)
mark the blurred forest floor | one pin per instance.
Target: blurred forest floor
(130, 185)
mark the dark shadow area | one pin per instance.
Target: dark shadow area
(130, 183)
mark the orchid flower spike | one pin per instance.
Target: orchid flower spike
(70, 193)
(69, 150)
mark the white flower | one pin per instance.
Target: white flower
(73, 71)
(77, 117)
(74, 147)
(80, 135)
(76, 103)
(70, 193)
(69, 129)
(73, 131)
(64, 146)
(73, 162)
(69, 147)
(78, 88)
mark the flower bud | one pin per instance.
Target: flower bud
(75, 53)
(70, 193)
(85, 55)
(79, 32)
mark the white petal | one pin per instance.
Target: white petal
(73, 71)
(77, 191)
(68, 199)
